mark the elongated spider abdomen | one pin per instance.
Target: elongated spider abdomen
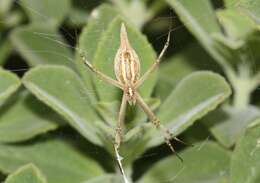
(126, 64)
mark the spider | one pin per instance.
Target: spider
(127, 72)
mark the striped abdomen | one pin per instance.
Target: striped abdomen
(127, 68)
(126, 64)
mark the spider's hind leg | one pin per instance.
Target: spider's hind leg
(156, 122)
(119, 136)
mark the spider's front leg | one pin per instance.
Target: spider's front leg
(100, 74)
(155, 64)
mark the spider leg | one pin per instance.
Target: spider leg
(156, 63)
(156, 122)
(119, 135)
(100, 74)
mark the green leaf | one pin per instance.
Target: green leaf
(9, 83)
(46, 11)
(26, 174)
(228, 123)
(246, 157)
(56, 158)
(90, 38)
(236, 25)
(201, 25)
(109, 111)
(107, 178)
(24, 117)
(41, 44)
(206, 162)
(250, 7)
(77, 16)
(192, 58)
(135, 11)
(195, 96)
(65, 93)
(231, 3)
(5, 49)
(104, 59)
(5, 6)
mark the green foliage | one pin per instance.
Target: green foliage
(59, 126)
(245, 160)
(212, 160)
(32, 40)
(9, 83)
(26, 174)
(58, 163)
(72, 104)
(24, 117)
(46, 10)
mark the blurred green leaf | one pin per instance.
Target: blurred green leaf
(26, 174)
(250, 7)
(77, 16)
(9, 83)
(46, 11)
(228, 123)
(245, 58)
(245, 162)
(135, 11)
(105, 179)
(237, 26)
(90, 38)
(56, 158)
(10, 20)
(104, 59)
(80, 11)
(202, 25)
(109, 111)
(206, 162)
(41, 44)
(253, 49)
(231, 3)
(5, 6)
(195, 96)
(24, 117)
(5, 49)
(192, 58)
(65, 93)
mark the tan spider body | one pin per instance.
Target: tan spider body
(127, 71)
(127, 67)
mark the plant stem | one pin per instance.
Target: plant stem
(243, 86)
(242, 92)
